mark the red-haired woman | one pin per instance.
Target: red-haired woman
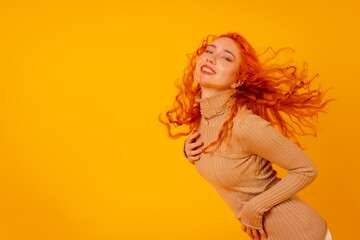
(232, 103)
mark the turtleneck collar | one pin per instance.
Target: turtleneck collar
(213, 104)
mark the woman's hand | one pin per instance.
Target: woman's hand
(192, 148)
(253, 232)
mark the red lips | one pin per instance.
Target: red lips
(208, 67)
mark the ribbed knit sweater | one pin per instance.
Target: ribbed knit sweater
(244, 177)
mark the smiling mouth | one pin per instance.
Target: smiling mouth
(206, 70)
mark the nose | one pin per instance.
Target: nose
(211, 59)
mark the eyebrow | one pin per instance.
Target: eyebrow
(212, 45)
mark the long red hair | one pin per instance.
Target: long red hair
(271, 91)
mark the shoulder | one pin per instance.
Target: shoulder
(247, 121)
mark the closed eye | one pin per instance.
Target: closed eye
(226, 58)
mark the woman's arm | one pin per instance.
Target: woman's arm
(259, 137)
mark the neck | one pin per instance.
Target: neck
(209, 92)
(216, 103)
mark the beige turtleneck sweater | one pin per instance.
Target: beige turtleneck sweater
(245, 179)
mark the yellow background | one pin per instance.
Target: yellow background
(82, 83)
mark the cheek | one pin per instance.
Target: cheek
(199, 62)
(231, 73)
(197, 69)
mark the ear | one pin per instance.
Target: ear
(237, 84)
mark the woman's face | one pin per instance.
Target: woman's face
(218, 67)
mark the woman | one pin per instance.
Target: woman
(233, 107)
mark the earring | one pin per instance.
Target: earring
(239, 85)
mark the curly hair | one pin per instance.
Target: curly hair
(271, 91)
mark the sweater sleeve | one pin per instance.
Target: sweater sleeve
(259, 137)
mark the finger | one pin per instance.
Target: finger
(192, 151)
(249, 232)
(194, 158)
(193, 136)
(196, 144)
(263, 233)
(243, 228)
(196, 152)
(256, 234)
